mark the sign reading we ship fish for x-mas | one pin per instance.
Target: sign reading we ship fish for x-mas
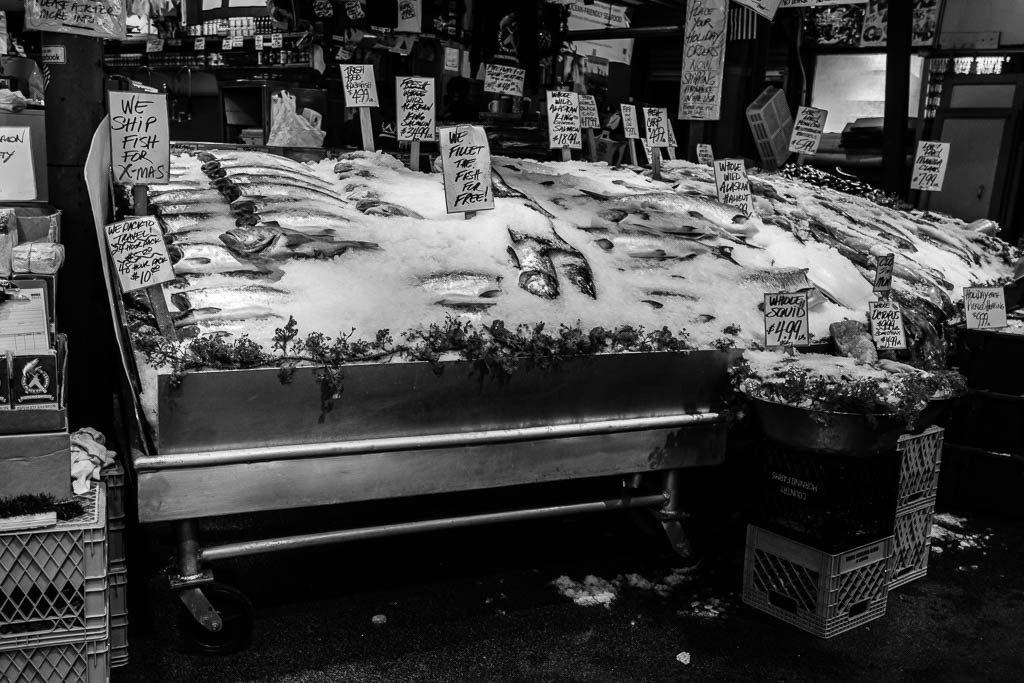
(700, 84)
(140, 138)
(466, 161)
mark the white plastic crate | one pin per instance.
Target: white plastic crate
(920, 461)
(818, 592)
(771, 123)
(118, 601)
(81, 662)
(53, 582)
(912, 543)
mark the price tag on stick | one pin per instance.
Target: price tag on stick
(466, 163)
(733, 186)
(140, 151)
(883, 272)
(705, 155)
(417, 113)
(631, 129)
(786, 319)
(141, 260)
(985, 307)
(930, 166)
(360, 88)
(807, 129)
(887, 325)
(564, 122)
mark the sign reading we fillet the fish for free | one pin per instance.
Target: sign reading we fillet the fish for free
(985, 307)
(417, 110)
(504, 79)
(466, 162)
(17, 170)
(930, 166)
(564, 120)
(656, 123)
(887, 325)
(807, 129)
(360, 85)
(786, 319)
(140, 138)
(139, 252)
(733, 186)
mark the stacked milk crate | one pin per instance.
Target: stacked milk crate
(54, 618)
(118, 573)
(834, 532)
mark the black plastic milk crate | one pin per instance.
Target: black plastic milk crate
(832, 502)
(989, 359)
(988, 421)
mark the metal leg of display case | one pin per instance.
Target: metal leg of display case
(672, 516)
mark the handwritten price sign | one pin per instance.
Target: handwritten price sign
(887, 325)
(705, 155)
(985, 307)
(630, 127)
(930, 166)
(807, 128)
(656, 122)
(786, 319)
(360, 85)
(564, 120)
(466, 161)
(883, 272)
(589, 116)
(417, 112)
(139, 253)
(733, 186)
(504, 80)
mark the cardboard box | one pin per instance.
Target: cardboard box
(35, 464)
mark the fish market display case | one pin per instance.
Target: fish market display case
(242, 441)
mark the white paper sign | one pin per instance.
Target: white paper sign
(883, 272)
(985, 307)
(139, 252)
(818, 3)
(155, 45)
(360, 85)
(451, 59)
(17, 170)
(466, 162)
(807, 128)
(504, 79)
(200, 44)
(705, 155)
(96, 18)
(930, 166)
(656, 123)
(140, 151)
(766, 8)
(54, 54)
(887, 325)
(700, 84)
(417, 108)
(786, 319)
(630, 127)
(410, 16)
(671, 133)
(258, 42)
(564, 120)
(276, 41)
(732, 185)
(589, 116)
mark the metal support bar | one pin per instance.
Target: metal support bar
(410, 443)
(619, 33)
(269, 545)
(188, 548)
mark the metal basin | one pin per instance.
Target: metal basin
(854, 434)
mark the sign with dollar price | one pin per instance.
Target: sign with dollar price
(360, 85)
(589, 116)
(564, 120)
(930, 166)
(883, 272)
(417, 111)
(807, 129)
(504, 79)
(985, 307)
(733, 186)
(705, 155)
(139, 252)
(656, 123)
(786, 319)
(276, 41)
(887, 325)
(630, 127)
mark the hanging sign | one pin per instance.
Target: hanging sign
(766, 8)
(883, 272)
(786, 319)
(410, 16)
(96, 18)
(887, 325)
(154, 45)
(417, 111)
(140, 255)
(786, 4)
(277, 41)
(139, 138)
(564, 120)
(630, 127)
(360, 85)
(589, 116)
(656, 124)
(705, 155)
(732, 185)
(985, 307)
(200, 44)
(451, 59)
(930, 166)
(700, 85)
(257, 42)
(466, 162)
(504, 79)
(807, 128)
(17, 171)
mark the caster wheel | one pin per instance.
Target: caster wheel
(236, 616)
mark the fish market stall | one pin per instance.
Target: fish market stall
(342, 338)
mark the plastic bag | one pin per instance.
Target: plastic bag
(287, 128)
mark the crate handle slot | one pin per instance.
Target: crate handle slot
(776, 599)
(859, 607)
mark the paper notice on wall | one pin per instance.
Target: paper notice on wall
(17, 169)
(656, 124)
(597, 16)
(417, 110)
(466, 161)
(705, 155)
(766, 8)
(410, 16)
(140, 138)
(883, 272)
(564, 120)
(733, 186)
(504, 79)
(786, 4)
(360, 85)
(140, 255)
(97, 18)
(985, 307)
(807, 128)
(887, 325)
(589, 116)
(700, 85)
(630, 126)
(930, 166)
(451, 59)
(786, 319)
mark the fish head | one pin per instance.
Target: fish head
(250, 240)
(175, 253)
(243, 207)
(216, 172)
(230, 191)
(539, 284)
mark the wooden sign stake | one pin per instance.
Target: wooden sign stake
(656, 163)
(566, 154)
(414, 155)
(469, 214)
(672, 153)
(157, 302)
(366, 128)
(591, 145)
(632, 152)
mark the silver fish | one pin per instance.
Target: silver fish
(208, 258)
(235, 191)
(206, 208)
(376, 207)
(462, 283)
(211, 314)
(227, 296)
(284, 206)
(537, 272)
(199, 196)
